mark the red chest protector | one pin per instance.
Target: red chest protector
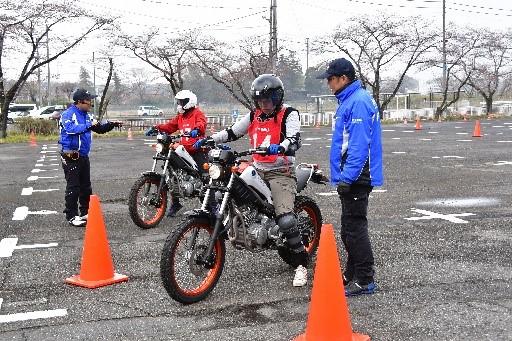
(266, 133)
(186, 123)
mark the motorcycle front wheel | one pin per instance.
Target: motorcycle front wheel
(146, 206)
(184, 278)
(309, 223)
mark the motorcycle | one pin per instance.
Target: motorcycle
(180, 177)
(193, 255)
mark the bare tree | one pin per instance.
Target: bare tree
(382, 44)
(491, 70)
(106, 96)
(461, 46)
(168, 55)
(235, 67)
(25, 28)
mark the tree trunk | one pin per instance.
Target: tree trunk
(438, 113)
(488, 105)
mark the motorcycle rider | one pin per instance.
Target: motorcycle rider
(275, 126)
(189, 120)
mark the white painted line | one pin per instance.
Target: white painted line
(47, 151)
(379, 190)
(328, 134)
(504, 141)
(44, 147)
(42, 165)
(464, 140)
(30, 190)
(501, 163)
(149, 143)
(33, 315)
(407, 131)
(436, 157)
(498, 126)
(39, 170)
(433, 215)
(328, 146)
(433, 132)
(453, 157)
(499, 133)
(388, 129)
(35, 177)
(312, 138)
(22, 212)
(306, 144)
(461, 133)
(54, 147)
(395, 138)
(425, 139)
(508, 123)
(397, 152)
(8, 245)
(458, 127)
(327, 194)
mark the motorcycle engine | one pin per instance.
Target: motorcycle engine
(191, 185)
(259, 230)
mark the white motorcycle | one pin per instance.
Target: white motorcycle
(180, 177)
(237, 207)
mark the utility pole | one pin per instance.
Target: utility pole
(48, 64)
(272, 51)
(444, 46)
(39, 94)
(307, 54)
(94, 81)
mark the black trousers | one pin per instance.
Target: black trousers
(354, 234)
(78, 185)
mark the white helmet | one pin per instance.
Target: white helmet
(185, 100)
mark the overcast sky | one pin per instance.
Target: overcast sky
(231, 20)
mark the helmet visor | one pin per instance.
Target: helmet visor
(182, 102)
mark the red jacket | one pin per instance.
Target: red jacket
(185, 123)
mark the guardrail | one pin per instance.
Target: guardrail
(216, 122)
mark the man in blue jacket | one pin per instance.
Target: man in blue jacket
(356, 166)
(75, 137)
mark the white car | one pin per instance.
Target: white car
(149, 110)
(46, 113)
(20, 110)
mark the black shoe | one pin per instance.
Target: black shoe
(175, 207)
(355, 289)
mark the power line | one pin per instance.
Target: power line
(196, 6)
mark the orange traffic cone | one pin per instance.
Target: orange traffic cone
(33, 142)
(328, 312)
(130, 136)
(476, 131)
(418, 125)
(97, 269)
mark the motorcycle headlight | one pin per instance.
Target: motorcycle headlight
(215, 172)
(159, 147)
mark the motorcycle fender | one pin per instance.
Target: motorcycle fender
(197, 213)
(152, 174)
(303, 175)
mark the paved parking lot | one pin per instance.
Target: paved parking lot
(440, 226)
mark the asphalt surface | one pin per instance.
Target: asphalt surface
(444, 278)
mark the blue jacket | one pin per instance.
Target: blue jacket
(356, 148)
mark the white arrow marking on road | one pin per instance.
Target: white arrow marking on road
(35, 177)
(8, 245)
(22, 212)
(501, 163)
(30, 190)
(433, 215)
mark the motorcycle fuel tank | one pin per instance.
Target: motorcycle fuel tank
(252, 178)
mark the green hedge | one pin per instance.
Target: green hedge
(38, 126)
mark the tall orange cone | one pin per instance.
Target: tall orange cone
(418, 124)
(328, 312)
(33, 142)
(476, 131)
(97, 269)
(130, 136)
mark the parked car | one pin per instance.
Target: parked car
(149, 110)
(19, 110)
(47, 113)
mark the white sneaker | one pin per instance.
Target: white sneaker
(301, 276)
(77, 221)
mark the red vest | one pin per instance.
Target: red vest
(185, 123)
(265, 133)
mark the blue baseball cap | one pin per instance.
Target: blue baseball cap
(82, 94)
(338, 67)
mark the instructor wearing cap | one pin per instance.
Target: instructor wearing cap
(76, 125)
(356, 166)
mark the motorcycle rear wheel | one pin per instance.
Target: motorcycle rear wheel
(141, 202)
(309, 223)
(183, 278)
